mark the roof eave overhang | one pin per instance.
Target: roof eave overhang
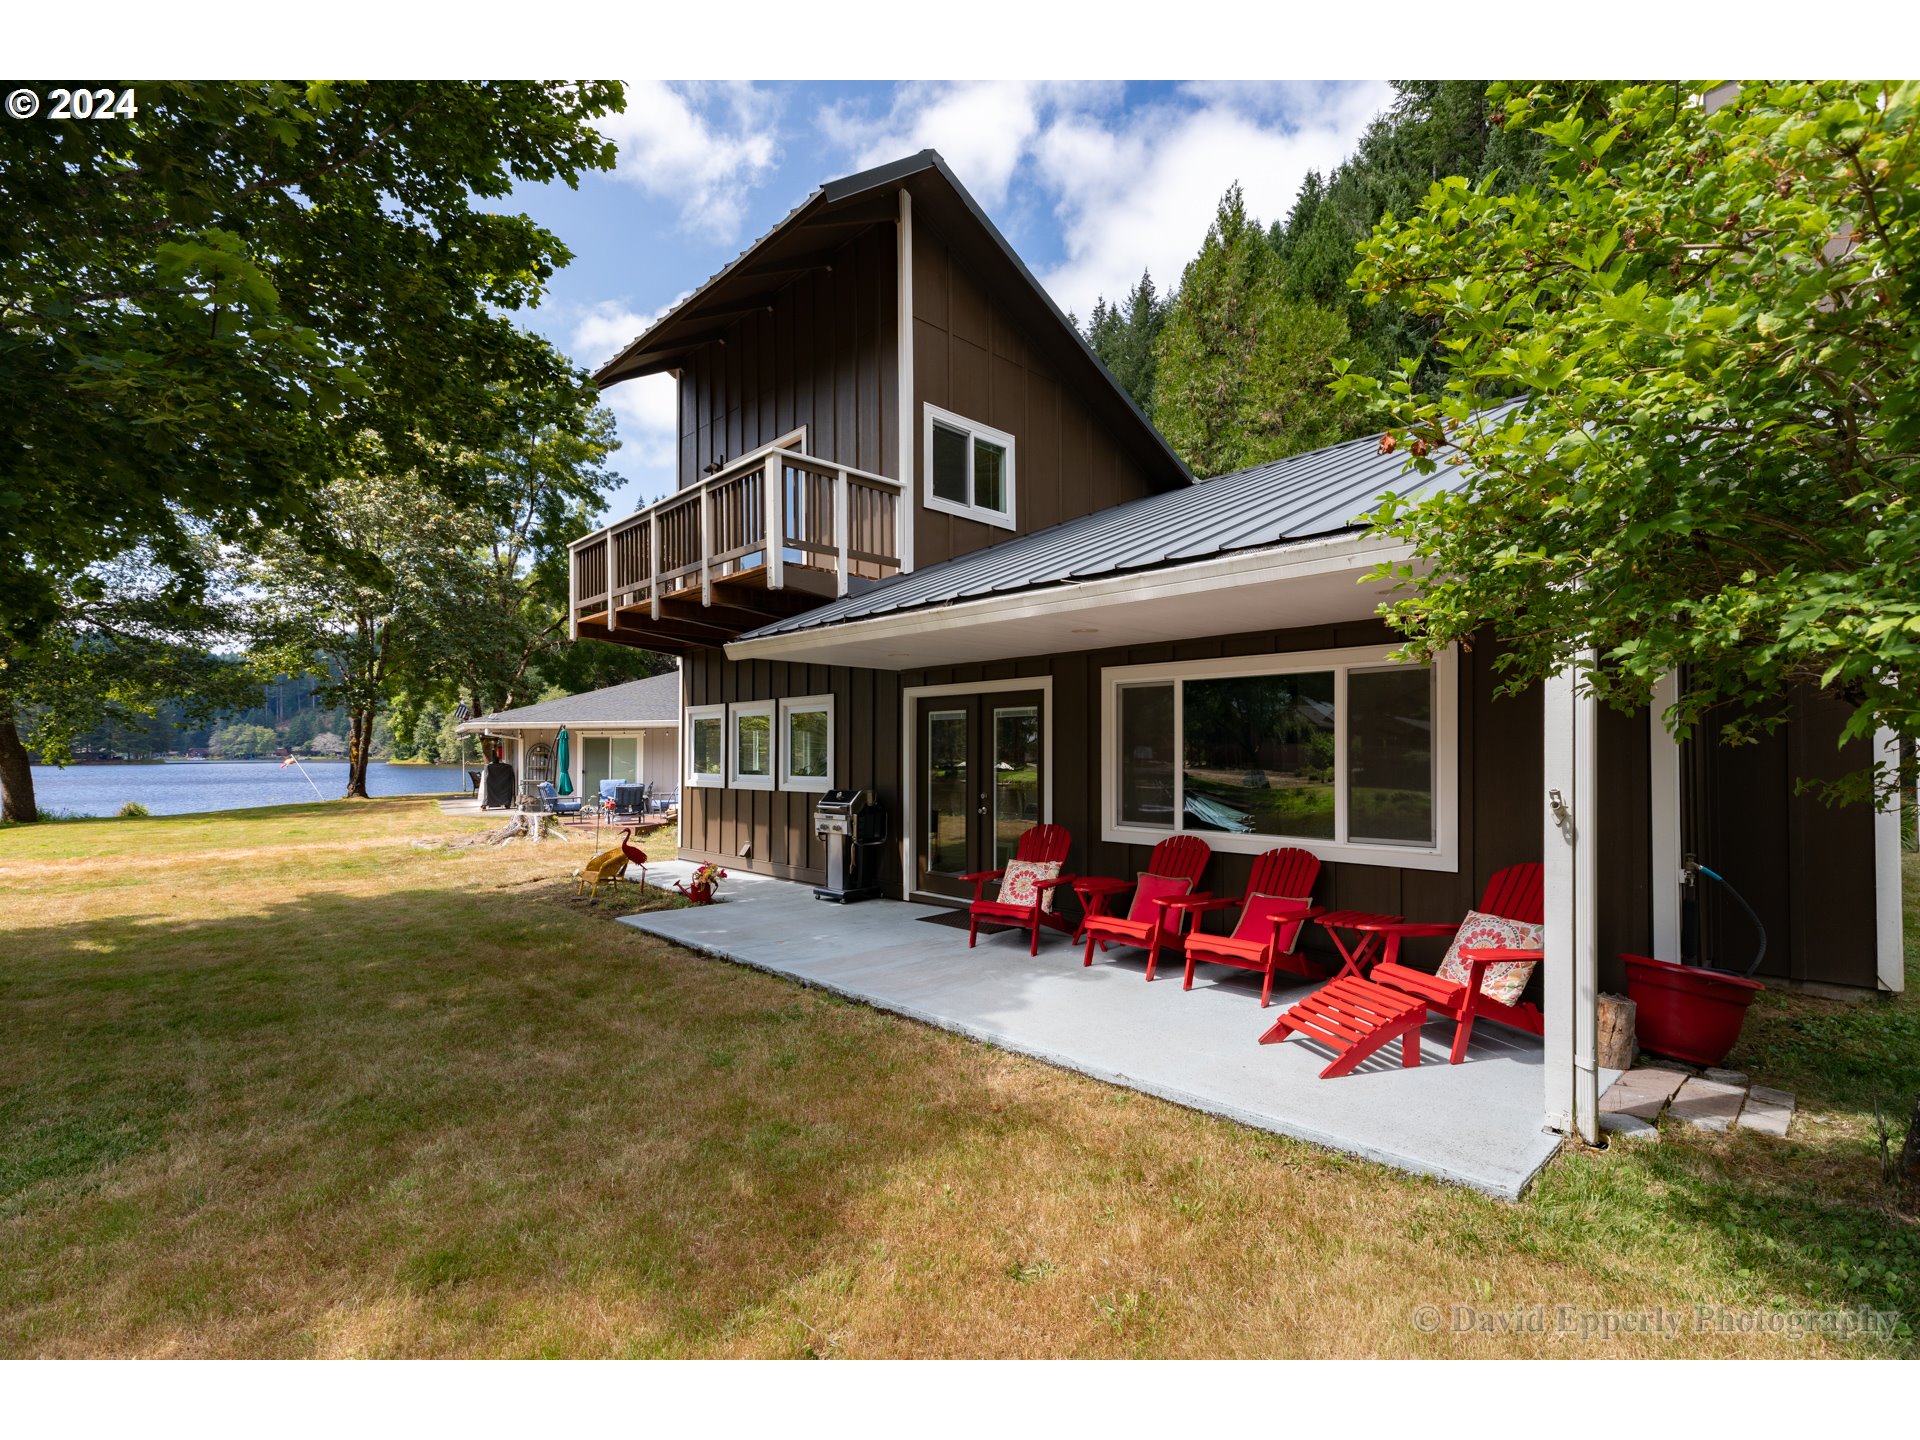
(1308, 582)
(486, 724)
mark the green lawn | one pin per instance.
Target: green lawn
(306, 1082)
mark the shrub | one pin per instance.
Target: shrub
(132, 810)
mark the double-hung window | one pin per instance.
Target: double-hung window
(750, 751)
(1344, 752)
(806, 743)
(969, 468)
(706, 744)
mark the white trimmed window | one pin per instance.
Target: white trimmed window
(806, 743)
(707, 746)
(1341, 752)
(969, 468)
(750, 745)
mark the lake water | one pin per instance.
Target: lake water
(190, 786)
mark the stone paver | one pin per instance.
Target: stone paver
(1706, 1105)
(1767, 1110)
(1629, 1128)
(1726, 1077)
(1642, 1093)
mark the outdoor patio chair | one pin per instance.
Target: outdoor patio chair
(1027, 891)
(1494, 952)
(553, 801)
(1273, 913)
(1173, 870)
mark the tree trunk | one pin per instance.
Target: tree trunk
(16, 776)
(1909, 1175)
(359, 734)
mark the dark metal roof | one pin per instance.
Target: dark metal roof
(653, 701)
(1304, 497)
(808, 235)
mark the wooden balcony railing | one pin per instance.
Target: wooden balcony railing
(707, 546)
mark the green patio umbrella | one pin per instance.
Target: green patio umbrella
(560, 762)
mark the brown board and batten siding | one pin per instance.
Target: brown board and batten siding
(971, 357)
(1500, 800)
(1805, 866)
(824, 354)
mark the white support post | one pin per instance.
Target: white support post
(842, 525)
(1572, 942)
(1891, 962)
(908, 502)
(1663, 808)
(573, 592)
(773, 480)
(653, 562)
(706, 545)
(613, 584)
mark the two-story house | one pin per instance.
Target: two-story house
(924, 544)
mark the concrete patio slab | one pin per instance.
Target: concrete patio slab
(1767, 1110)
(1477, 1124)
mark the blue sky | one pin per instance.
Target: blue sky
(1091, 181)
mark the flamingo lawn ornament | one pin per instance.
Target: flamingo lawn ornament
(635, 855)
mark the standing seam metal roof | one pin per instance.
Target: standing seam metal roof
(1303, 497)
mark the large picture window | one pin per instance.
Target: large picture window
(969, 468)
(1344, 752)
(706, 742)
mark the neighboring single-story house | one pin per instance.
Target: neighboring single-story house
(997, 597)
(624, 732)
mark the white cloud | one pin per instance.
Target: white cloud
(1129, 189)
(701, 146)
(982, 128)
(645, 410)
(1141, 194)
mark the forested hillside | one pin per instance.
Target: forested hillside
(1234, 365)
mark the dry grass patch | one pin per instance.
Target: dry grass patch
(335, 1094)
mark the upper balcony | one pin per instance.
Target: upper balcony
(696, 570)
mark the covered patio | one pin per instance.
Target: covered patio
(1477, 1124)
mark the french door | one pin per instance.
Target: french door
(980, 783)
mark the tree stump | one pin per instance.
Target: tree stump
(1613, 1045)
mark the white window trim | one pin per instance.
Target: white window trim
(697, 780)
(975, 430)
(735, 714)
(1443, 855)
(803, 704)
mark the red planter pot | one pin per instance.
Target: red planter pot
(1686, 1013)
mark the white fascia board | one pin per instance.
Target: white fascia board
(1273, 565)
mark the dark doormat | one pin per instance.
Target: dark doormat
(952, 919)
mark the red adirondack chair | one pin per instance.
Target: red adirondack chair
(1148, 922)
(1040, 844)
(1340, 1014)
(1265, 936)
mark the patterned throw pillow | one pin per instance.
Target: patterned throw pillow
(1157, 887)
(1504, 981)
(1019, 885)
(1256, 920)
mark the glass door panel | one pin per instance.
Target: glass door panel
(1016, 777)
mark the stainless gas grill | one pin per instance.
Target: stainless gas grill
(854, 825)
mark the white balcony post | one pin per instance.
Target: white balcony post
(773, 480)
(653, 562)
(842, 525)
(573, 591)
(706, 545)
